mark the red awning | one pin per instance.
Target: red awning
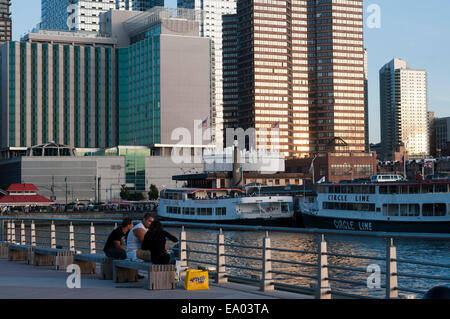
(22, 188)
(24, 200)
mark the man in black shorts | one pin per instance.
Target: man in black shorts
(113, 247)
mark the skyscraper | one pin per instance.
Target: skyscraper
(301, 68)
(404, 108)
(83, 15)
(5, 21)
(211, 27)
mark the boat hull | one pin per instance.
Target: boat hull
(314, 221)
(275, 222)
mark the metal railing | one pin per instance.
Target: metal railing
(317, 267)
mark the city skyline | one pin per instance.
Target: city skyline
(411, 34)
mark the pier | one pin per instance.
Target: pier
(259, 266)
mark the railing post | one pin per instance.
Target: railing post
(52, 235)
(391, 270)
(323, 290)
(13, 232)
(220, 267)
(71, 238)
(22, 234)
(92, 239)
(183, 252)
(33, 233)
(8, 231)
(266, 278)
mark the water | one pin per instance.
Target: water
(420, 250)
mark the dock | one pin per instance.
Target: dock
(21, 281)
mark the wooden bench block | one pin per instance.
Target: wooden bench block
(162, 277)
(126, 275)
(59, 258)
(86, 267)
(44, 260)
(107, 269)
(159, 276)
(17, 255)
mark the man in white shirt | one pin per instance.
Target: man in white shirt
(136, 236)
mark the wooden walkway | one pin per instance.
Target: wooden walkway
(21, 281)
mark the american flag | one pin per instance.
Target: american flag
(276, 125)
(205, 123)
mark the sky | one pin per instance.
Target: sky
(417, 31)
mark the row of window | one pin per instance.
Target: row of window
(428, 210)
(202, 211)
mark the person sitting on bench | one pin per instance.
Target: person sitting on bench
(113, 247)
(155, 242)
(136, 236)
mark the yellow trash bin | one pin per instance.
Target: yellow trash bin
(196, 280)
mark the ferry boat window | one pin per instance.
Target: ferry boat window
(390, 209)
(427, 188)
(205, 211)
(441, 188)
(383, 190)
(190, 196)
(414, 209)
(439, 209)
(403, 209)
(414, 189)
(221, 211)
(427, 209)
(285, 208)
(188, 211)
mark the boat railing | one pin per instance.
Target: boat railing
(317, 266)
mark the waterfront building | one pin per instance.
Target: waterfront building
(58, 86)
(211, 27)
(5, 21)
(84, 15)
(300, 69)
(404, 108)
(442, 134)
(125, 86)
(335, 167)
(164, 71)
(63, 176)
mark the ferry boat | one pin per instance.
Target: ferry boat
(395, 206)
(224, 206)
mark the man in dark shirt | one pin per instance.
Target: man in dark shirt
(113, 247)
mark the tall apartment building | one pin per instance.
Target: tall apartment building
(366, 98)
(211, 27)
(83, 15)
(300, 69)
(404, 108)
(5, 21)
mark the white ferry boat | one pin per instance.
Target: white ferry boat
(224, 206)
(380, 206)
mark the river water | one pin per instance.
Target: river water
(420, 250)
